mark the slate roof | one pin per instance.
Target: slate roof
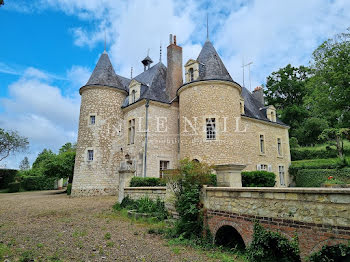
(211, 65)
(254, 109)
(153, 82)
(104, 75)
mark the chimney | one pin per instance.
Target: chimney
(258, 94)
(174, 71)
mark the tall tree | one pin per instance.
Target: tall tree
(285, 89)
(24, 165)
(330, 87)
(67, 147)
(11, 142)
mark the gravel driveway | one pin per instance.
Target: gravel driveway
(49, 226)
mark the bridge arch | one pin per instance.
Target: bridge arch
(236, 233)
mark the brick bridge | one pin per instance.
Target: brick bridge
(318, 216)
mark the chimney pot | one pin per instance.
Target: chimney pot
(170, 39)
(174, 39)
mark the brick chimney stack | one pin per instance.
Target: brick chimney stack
(258, 94)
(174, 64)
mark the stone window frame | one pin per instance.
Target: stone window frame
(160, 160)
(87, 154)
(89, 119)
(131, 123)
(279, 149)
(216, 138)
(284, 175)
(262, 152)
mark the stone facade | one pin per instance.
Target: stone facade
(153, 193)
(150, 122)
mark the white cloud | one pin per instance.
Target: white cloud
(38, 110)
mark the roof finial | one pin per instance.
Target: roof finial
(131, 73)
(207, 28)
(104, 51)
(160, 52)
(148, 52)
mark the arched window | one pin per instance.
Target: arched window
(133, 96)
(190, 71)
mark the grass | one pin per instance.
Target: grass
(317, 163)
(6, 190)
(324, 145)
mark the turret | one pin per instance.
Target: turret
(99, 136)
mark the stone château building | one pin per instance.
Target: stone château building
(148, 123)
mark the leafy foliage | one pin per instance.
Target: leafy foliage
(337, 134)
(7, 176)
(69, 189)
(186, 183)
(340, 252)
(316, 177)
(11, 142)
(270, 246)
(258, 179)
(146, 181)
(14, 187)
(31, 183)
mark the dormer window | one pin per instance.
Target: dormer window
(133, 96)
(271, 113)
(241, 106)
(190, 72)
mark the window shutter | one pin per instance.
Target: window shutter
(258, 167)
(269, 168)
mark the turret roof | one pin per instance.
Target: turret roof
(104, 75)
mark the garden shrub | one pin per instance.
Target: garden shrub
(14, 187)
(146, 181)
(69, 189)
(338, 252)
(316, 177)
(213, 180)
(258, 179)
(268, 246)
(7, 176)
(307, 153)
(37, 183)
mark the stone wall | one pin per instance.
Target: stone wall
(99, 177)
(317, 216)
(151, 192)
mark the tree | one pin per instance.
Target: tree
(338, 135)
(68, 147)
(24, 165)
(285, 89)
(308, 133)
(45, 155)
(2, 2)
(330, 87)
(11, 142)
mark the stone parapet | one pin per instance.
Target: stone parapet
(153, 193)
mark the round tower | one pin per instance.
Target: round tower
(99, 145)
(209, 106)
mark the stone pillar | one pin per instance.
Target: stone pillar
(60, 184)
(229, 175)
(125, 176)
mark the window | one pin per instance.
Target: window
(262, 167)
(190, 71)
(90, 155)
(133, 96)
(279, 146)
(262, 144)
(92, 120)
(131, 132)
(164, 165)
(281, 174)
(210, 127)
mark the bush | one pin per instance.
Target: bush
(69, 189)
(146, 181)
(270, 246)
(316, 177)
(7, 176)
(14, 187)
(293, 142)
(213, 180)
(338, 252)
(258, 179)
(37, 183)
(307, 153)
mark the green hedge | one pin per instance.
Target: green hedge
(14, 187)
(7, 176)
(306, 153)
(258, 179)
(69, 189)
(146, 181)
(316, 177)
(37, 183)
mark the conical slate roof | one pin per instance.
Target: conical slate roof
(211, 65)
(104, 75)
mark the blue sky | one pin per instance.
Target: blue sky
(49, 48)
